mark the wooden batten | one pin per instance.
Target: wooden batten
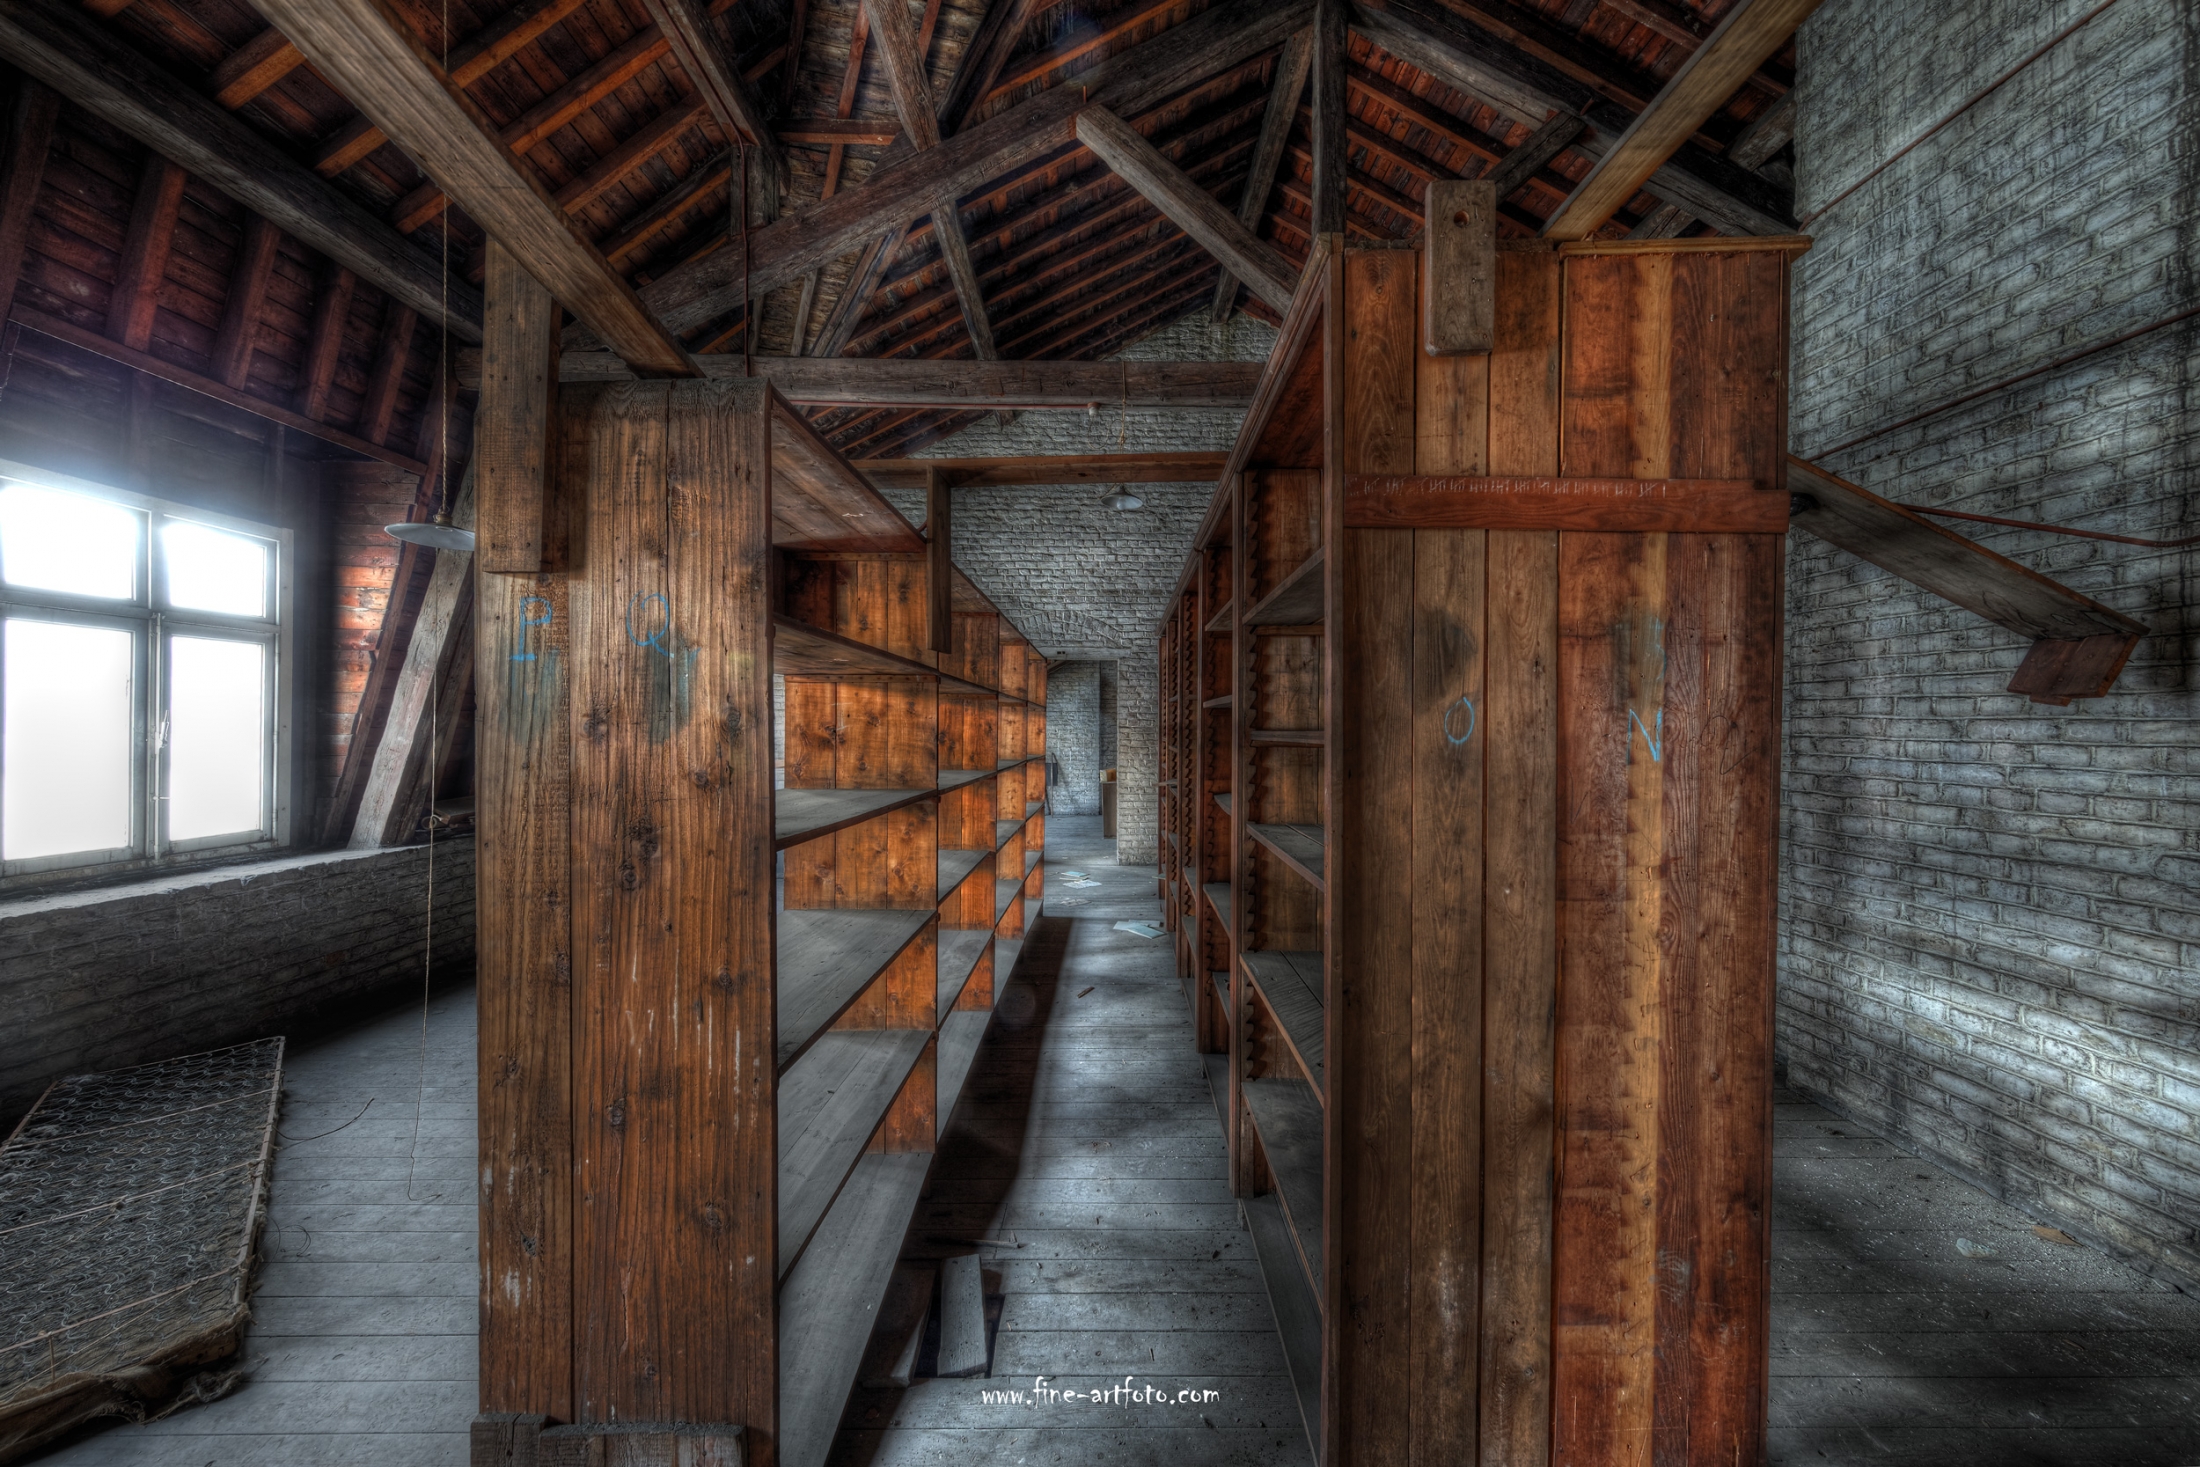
(1469, 780)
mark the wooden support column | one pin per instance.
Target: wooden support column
(519, 386)
(939, 534)
(675, 1177)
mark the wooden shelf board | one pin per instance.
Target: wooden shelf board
(960, 1036)
(1302, 847)
(800, 815)
(955, 869)
(1218, 893)
(1222, 798)
(1003, 829)
(830, 1103)
(801, 650)
(1296, 1307)
(1311, 738)
(819, 500)
(1033, 807)
(1006, 950)
(829, 1304)
(828, 957)
(961, 949)
(1222, 991)
(1289, 1120)
(1290, 985)
(1217, 1067)
(1004, 892)
(1033, 908)
(1222, 702)
(955, 779)
(1297, 599)
(1031, 859)
(1219, 623)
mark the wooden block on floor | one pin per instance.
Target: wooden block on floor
(891, 1360)
(962, 1317)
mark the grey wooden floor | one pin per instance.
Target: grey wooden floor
(361, 1349)
(1086, 1141)
(1086, 1137)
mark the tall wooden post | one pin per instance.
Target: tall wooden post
(628, 1136)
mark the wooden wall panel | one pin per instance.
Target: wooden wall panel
(1368, 1149)
(676, 1151)
(524, 972)
(1520, 844)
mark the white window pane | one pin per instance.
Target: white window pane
(213, 570)
(67, 542)
(217, 737)
(67, 744)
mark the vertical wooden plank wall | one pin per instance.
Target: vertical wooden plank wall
(676, 1156)
(1550, 911)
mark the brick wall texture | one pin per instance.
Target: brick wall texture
(1073, 737)
(95, 980)
(1087, 583)
(1991, 909)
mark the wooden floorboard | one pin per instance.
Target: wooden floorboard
(1890, 1345)
(1085, 1143)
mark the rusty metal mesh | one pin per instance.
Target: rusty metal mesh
(129, 1206)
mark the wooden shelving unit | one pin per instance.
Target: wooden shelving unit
(657, 917)
(1475, 669)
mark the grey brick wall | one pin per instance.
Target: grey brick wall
(98, 979)
(1090, 583)
(1991, 909)
(1073, 737)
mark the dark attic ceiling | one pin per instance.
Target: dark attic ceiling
(1058, 256)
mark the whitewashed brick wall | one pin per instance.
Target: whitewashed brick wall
(1991, 909)
(1090, 583)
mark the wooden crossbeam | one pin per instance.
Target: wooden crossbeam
(1292, 67)
(1191, 208)
(1070, 468)
(149, 366)
(1129, 82)
(96, 69)
(1467, 59)
(361, 49)
(1751, 32)
(700, 48)
(1011, 385)
(1330, 116)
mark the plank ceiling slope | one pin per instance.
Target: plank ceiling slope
(1065, 258)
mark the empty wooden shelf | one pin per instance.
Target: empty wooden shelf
(1288, 1120)
(655, 1015)
(961, 950)
(800, 815)
(956, 867)
(1297, 599)
(1290, 985)
(826, 959)
(1300, 846)
(1443, 755)
(831, 1102)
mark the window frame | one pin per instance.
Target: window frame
(154, 624)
